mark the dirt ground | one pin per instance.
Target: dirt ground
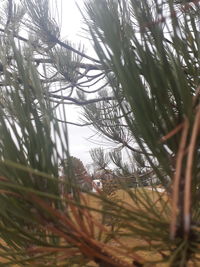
(122, 195)
(125, 197)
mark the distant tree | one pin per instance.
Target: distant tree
(79, 173)
(131, 171)
(100, 159)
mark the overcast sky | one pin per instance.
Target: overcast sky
(72, 30)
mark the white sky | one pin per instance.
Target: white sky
(72, 24)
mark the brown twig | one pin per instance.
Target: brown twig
(197, 92)
(188, 177)
(175, 193)
(172, 133)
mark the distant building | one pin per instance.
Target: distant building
(97, 185)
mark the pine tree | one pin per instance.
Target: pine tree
(148, 54)
(153, 50)
(79, 172)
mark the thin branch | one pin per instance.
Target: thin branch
(188, 178)
(89, 80)
(80, 64)
(177, 177)
(83, 102)
(10, 11)
(55, 39)
(73, 123)
(135, 150)
(21, 38)
(93, 91)
(172, 133)
(62, 44)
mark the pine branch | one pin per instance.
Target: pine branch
(73, 123)
(56, 40)
(10, 11)
(83, 102)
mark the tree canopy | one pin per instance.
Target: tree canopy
(80, 175)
